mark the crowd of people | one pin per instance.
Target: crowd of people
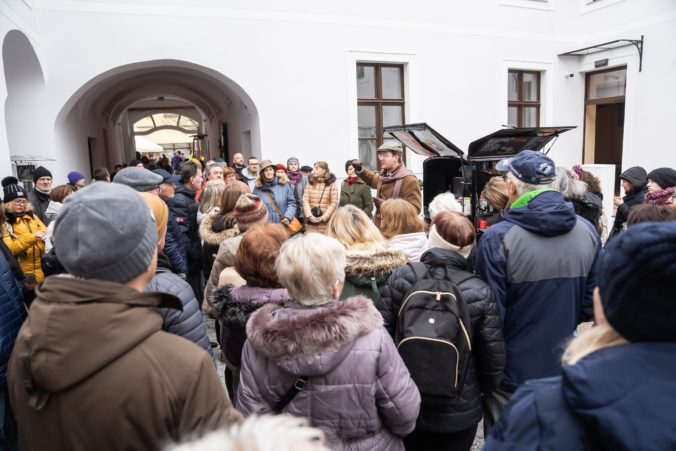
(337, 308)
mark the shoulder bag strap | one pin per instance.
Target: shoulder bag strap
(322, 196)
(274, 205)
(296, 388)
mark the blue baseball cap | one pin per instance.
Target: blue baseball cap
(530, 167)
(166, 177)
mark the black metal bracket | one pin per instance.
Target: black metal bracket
(609, 46)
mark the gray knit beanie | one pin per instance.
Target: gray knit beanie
(105, 231)
(140, 179)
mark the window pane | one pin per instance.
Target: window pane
(367, 121)
(367, 153)
(366, 82)
(391, 77)
(530, 118)
(512, 93)
(530, 87)
(392, 115)
(512, 117)
(607, 84)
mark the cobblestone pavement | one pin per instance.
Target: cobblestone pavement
(478, 441)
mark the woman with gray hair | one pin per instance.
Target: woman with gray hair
(586, 204)
(328, 360)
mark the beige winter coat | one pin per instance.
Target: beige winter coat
(328, 204)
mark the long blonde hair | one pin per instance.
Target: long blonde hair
(598, 337)
(355, 230)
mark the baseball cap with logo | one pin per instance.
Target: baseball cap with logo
(530, 167)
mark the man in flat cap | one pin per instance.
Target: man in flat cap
(394, 181)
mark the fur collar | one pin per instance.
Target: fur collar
(276, 181)
(314, 330)
(373, 264)
(235, 310)
(326, 180)
(211, 236)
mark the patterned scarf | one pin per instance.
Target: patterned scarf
(663, 197)
(294, 177)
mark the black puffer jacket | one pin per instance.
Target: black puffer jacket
(184, 207)
(488, 348)
(186, 323)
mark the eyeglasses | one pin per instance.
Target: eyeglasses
(20, 201)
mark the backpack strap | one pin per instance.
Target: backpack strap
(458, 277)
(419, 270)
(297, 387)
(397, 188)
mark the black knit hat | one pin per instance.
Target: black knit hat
(12, 189)
(636, 176)
(41, 172)
(636, 277)
(665, 177)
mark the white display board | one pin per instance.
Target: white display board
(605, 173)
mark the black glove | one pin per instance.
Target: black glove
(356, 164)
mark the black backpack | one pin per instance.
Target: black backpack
(433, 333)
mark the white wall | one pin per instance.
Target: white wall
(296, 62)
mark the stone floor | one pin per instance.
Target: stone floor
(478, 441)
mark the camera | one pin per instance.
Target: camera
(316, 212)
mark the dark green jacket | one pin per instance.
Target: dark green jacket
(359, 195)
(367, 271)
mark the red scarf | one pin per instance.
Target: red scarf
(352, 180)
(660, 197)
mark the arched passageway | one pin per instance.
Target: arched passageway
(96, 125)
(24, 109)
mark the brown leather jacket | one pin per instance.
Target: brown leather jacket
(385, 185)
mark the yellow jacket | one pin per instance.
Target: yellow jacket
(19, 236)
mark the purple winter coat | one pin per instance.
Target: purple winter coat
(359, 391)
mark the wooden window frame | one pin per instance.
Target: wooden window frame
(520, 104)
(379, 102)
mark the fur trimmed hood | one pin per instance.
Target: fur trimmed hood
(295, 335)
(234, 305)
(376, 264)
(214, 229)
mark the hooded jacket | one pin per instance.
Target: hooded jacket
(246, 177)
(488, 348)
(19, 236)
(328, 202)
(367, 271)
(619, 398)
(358, 389)
(413, 245)
(540, 262)
(234, 306)
(186, 322)
(12, 314)
(92, 369)
(281, 192)
(183, 209)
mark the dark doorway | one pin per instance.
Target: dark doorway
(609, 134)
(604, 119)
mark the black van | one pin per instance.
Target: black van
(447, 168)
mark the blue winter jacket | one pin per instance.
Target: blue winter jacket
(283, 196)
(618, 398)
(540, 262)
(12, 314)
(186, 323)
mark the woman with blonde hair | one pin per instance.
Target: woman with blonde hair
(210, 197)
(320, 198)
(328, 360)
(617, 386)
(496, 193)
(403, 228)
(368, 260)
